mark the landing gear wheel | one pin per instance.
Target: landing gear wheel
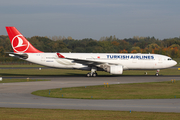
(94, 74)
(88, 75)
(157, 74)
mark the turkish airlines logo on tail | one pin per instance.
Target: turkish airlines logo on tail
(19, 44)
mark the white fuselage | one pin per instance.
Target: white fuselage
(114, 63)
(128, 61)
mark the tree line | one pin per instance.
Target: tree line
(169, 47)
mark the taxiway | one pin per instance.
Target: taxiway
(18, 95)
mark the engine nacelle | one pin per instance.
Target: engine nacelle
(112, 69)
(115, 69)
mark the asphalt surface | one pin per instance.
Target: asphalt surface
(18, 95)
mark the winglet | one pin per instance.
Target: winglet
(60, 56)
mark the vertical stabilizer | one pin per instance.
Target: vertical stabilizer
(19, 42)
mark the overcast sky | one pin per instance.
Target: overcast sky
(92, 18)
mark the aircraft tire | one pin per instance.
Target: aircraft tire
(94, 74)
(157, 74)
(88, 74)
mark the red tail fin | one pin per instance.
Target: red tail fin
(19, 42)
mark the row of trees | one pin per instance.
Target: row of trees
(169, 47)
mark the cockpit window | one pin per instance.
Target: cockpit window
(169, 58)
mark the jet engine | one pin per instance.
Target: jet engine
(113, 69)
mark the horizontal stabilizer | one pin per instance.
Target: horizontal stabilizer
(19, 55)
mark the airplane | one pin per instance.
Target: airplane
(114, 63)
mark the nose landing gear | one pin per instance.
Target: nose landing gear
(157, 73)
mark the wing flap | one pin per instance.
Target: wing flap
(94, 62)
(82, 61)
(86, 62)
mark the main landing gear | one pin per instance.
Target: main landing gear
(92, 73)
(157, 73)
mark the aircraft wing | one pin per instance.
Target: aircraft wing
(83, 61)
(86, 62)
(89, 62)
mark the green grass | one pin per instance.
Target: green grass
(160, 90)
(33, 65)
(20, 80)
(66, 72)
(152, 72)
(52, 114)
(43, 72)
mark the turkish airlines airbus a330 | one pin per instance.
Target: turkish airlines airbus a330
(114, 63)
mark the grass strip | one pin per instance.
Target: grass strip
(156, 90)
(57, 114)
(67, 72)
(20, 80)
(21, 66)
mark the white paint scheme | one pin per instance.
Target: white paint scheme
(52, 60)
(114, 63)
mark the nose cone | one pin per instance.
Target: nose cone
(174, 63)
(171, 63)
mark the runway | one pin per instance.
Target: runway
(18, 95)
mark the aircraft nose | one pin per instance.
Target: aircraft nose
(174, 62)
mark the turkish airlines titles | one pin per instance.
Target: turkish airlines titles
(143, 57)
